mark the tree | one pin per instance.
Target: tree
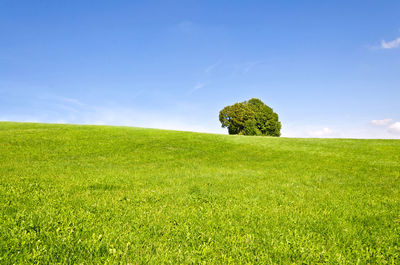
(250, 117)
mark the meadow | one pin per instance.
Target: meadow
(74, 194)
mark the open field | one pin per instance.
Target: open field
(98, 194)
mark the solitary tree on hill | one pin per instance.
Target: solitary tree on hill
(250, 117)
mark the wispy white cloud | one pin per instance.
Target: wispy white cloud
(394, 128)
(211, 67)
(320, 133)
(243, 68)
(307, 131)
(383, 122)
(390, 44)
(198, 86)
(390, 126)
(359, 130)
(71, 100)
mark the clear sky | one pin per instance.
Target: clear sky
(328, 68)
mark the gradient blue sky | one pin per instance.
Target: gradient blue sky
(328, 68)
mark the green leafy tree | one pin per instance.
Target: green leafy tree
(250, 117)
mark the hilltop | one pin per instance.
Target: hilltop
(104, 194)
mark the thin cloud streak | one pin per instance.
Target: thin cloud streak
(210, 68)
(383, 122)
(71, 100)
(244, 68)
(198, 86)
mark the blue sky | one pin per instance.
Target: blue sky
(328, 68)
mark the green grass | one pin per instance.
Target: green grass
(98, 194)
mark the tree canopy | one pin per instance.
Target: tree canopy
(250, 117)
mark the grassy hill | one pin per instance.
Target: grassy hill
(99, 194)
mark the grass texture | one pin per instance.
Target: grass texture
(72, 194)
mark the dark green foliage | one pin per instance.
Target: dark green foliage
(251, 117)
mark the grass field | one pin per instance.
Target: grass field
(98, 194)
